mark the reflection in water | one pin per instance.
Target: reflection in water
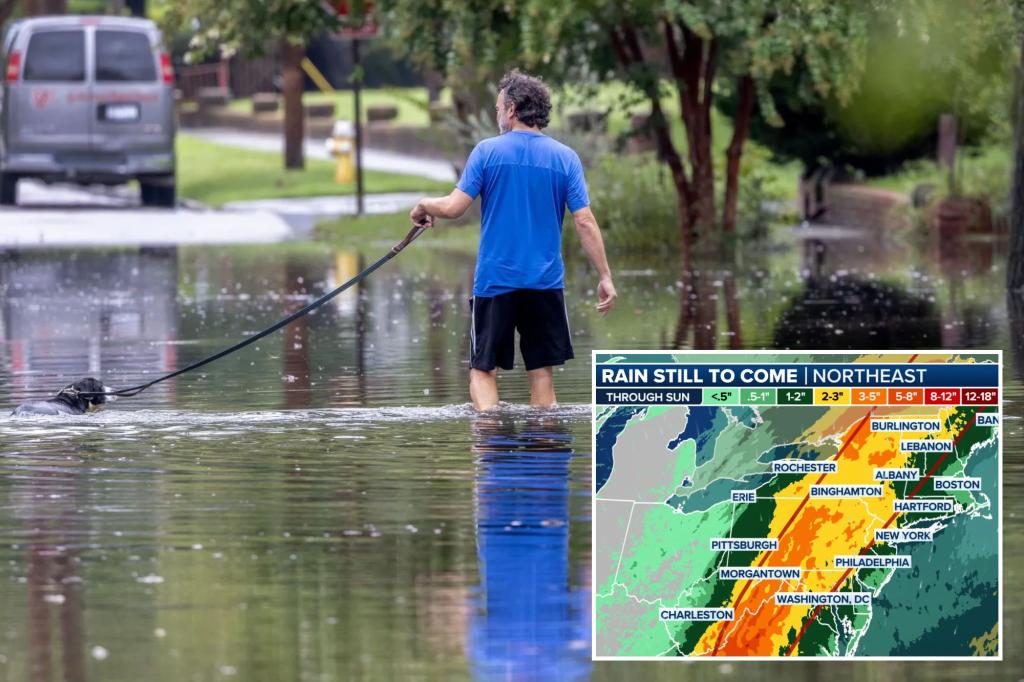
(295, 337)
(94, 313)
(837, 310)
(55, 595)
(337, 541)
(529, 623)
(698, 311)
(732, 310)
(700, 293)
(351, 305)
(967, 319)
(850, 312)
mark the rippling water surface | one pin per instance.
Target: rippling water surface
(325, 505)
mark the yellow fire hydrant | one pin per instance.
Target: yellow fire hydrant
(341, 147)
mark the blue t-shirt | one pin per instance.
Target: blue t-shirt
(527, 180)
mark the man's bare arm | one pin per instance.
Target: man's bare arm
(451, 206)
(593, 246)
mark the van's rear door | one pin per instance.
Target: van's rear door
(51, 107)
(132, 104)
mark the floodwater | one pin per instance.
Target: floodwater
(324, 505)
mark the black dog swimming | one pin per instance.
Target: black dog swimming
(87, 395)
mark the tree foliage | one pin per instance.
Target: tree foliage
(659, 47)
(923, 59)
(228, 27)
(569, 40)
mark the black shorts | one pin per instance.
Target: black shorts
(540, 317)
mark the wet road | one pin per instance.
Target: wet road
(324, 505)
(64, 216)
(67, 216)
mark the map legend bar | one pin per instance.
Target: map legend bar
(831, 396)
(643, 396)
(868, 396)
(757, 396)
(795, 396)
(980, 396)
(906, 396)
(722, 396)
(941, 396)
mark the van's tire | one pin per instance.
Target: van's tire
(158, 192)
(8, 189)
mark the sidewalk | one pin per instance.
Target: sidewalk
(303, 213)
(66, 216)
(373, 159)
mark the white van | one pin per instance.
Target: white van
(87, 99)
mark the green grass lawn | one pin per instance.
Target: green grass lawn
(391, 227)
(411, 103)
(215, 174)
(412, 110)
(980, 169)
(374, 235)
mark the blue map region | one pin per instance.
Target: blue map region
(746, 416)
(715, 492)
(703, 424)
(788, 451)
(606, 438)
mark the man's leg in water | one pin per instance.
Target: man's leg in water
(542, 387)
(483, 388)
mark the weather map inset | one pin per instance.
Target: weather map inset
(783, 505)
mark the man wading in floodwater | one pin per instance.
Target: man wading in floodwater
(526, 180)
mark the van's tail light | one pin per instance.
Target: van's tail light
(13, 67)
(166, 70)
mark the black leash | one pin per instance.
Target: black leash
(415, 232)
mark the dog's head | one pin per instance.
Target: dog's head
(89, 393)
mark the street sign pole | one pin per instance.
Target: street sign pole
(361, 26)
(357, 87)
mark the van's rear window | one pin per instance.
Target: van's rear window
(56, 56)
(124, 56)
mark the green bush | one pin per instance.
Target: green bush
(767, 193)
(635, 203)
(982, 172)
(986, 173)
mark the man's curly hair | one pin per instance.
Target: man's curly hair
(530, 95)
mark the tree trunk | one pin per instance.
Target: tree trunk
(741, 128)
(702, 209)
(292, 82)
(1015, 306)
(692, 60)
(6, 10)
(699, 121)
(1015, 266)
(34, 8)
(683, 210)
